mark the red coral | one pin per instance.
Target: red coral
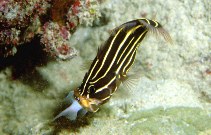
(55, 38)
(64, 49)
(64, 32)
(22, 20)
(3, 4)
(75, 6)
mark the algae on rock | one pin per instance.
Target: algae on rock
(177, 120)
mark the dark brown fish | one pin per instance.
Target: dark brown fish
(110, 67)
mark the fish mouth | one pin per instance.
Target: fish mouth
(90, 104)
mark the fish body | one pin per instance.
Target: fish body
(111, 65)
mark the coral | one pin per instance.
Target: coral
(55, 39)
(83, 12)
(53, 20)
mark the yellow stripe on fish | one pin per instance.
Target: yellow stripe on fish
(111, 65)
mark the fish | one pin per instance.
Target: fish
(110, 67)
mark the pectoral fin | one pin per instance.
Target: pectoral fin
(130, 81)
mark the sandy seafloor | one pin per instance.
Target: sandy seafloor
(172, 96)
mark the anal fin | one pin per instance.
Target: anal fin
(70, 112)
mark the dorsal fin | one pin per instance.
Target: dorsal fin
(115, 30)
(86, 65)
(100, 49)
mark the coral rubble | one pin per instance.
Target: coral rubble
(53, 20)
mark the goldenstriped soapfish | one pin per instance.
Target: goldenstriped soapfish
(110, 67)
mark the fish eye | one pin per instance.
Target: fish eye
(76, 98)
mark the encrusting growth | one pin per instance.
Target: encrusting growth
(52, 20)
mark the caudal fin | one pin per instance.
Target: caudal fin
(157, 29)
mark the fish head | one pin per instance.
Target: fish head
(90, 104)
